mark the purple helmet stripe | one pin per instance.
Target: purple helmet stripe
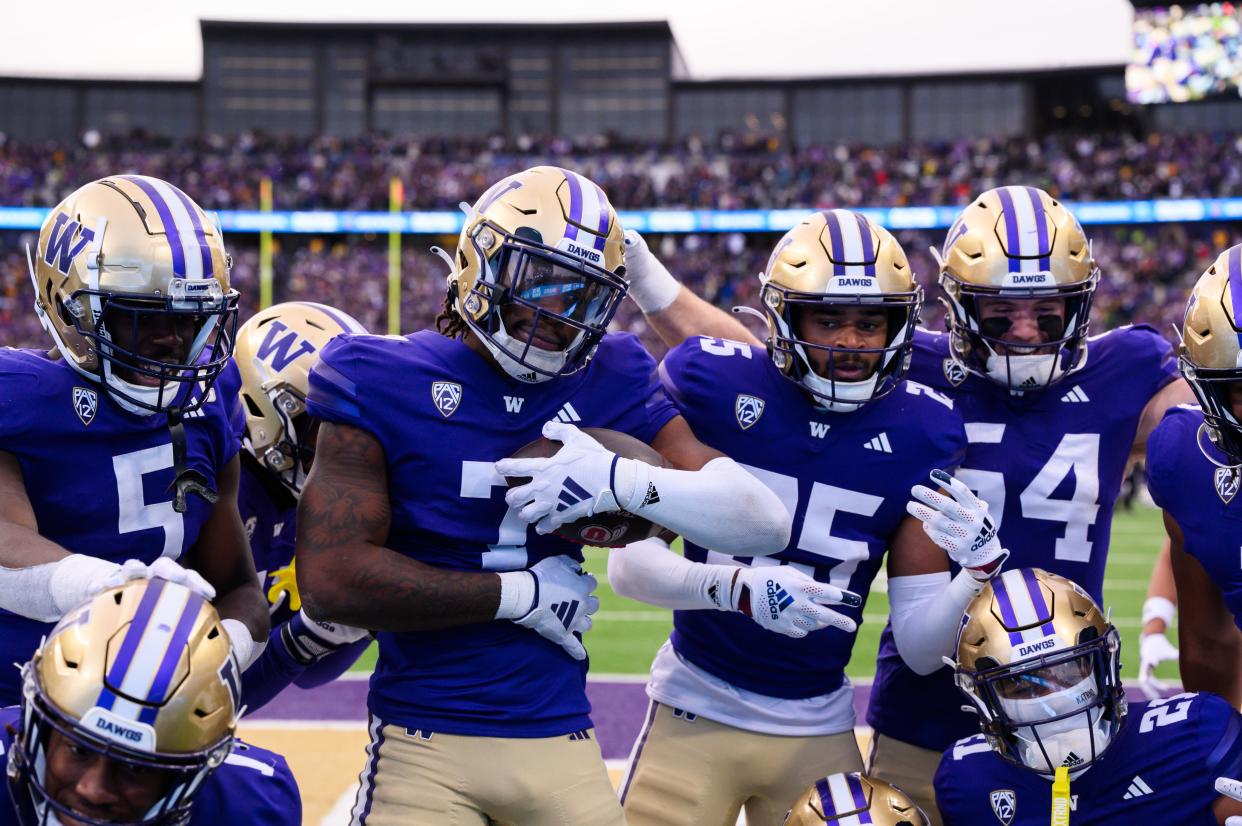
(170, 226)
(864, 230)
(575, 204)
(604, 209)
(860, 798)
(834, 236)
(133, 636)
(1037, 600)
(825, 797)
(1014, 244)
(172, 656)
(1006, 608)
(203, 248)
(1041, 227)
(1235, 286)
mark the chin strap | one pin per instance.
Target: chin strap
(185, 479)
(1061, 797)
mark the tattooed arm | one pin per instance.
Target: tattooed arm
(345, 574)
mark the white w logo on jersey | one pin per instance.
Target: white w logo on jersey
(819, 429)
(513, 404)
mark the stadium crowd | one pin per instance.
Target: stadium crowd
(728, 172)
(1146, 272)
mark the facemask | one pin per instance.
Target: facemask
(1067, 742)
(1019, 372)
(850, 395)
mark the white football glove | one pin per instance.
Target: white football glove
(959, 523)
(1232, 789)
(309, 641)
(162, 568)
(789, 602)
(554, 599)
(574, 483)
(652, 286)
(1153, 650)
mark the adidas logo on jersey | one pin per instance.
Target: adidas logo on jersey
(1137, 789)
(1075, 395)
(513, 404)
(819, 429)
(879, 443)
(567, 414)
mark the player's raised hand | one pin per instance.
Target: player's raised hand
(652, 286)
(1232, 789)
(553, 598)
(1153, 650)
(574, 483)
(162, 568)
(960, 524)
(789, 602)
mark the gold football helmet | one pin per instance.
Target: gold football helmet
(855, 798)
(123, 253)
(275, 351)
(1019, 244)
(1039, 663)
(539, 271)
(839, 258)
(143, 675)
(1211, 352)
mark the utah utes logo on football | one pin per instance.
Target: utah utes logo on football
(748, 409)
(446, 395)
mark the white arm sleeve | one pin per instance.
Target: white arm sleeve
(651, 572)
(46, 592)
(719, 506)
(926, 611)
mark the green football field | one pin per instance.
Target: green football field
(627, 633)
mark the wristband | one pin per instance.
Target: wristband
(1159, 608)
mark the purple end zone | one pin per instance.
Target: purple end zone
(617, 708)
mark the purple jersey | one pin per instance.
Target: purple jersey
(1050, 466)
(269, 513)
(845, 477)
(1161, 769)
(252, 786)
(98, 477)
(1194, 492)
(444, 414)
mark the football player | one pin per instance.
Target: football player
(120, 444)
(275, 351)
(1051, 416)
(479, 709)
(1038, 661)
(849, 799)
(824, 399)
(127, 716)
(1194, 461)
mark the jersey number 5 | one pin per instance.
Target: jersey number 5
(135, 514)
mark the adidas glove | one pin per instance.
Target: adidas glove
(554, 599)
(1232, 789)
(789, 602)
(574, 483)
(309, 641)
(162, 568)
(959, 523)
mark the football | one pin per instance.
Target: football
(605, 530)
